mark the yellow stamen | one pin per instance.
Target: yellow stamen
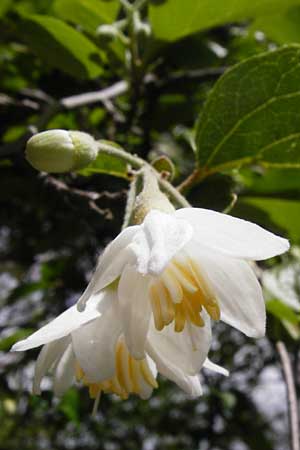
(147, 374)
(128, 379)
(133, 373)
(156, 308)
(180, 295)
(180, 317)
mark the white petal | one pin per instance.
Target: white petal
(135, 310)
(48, 356)
(110, 264)
(64, 372)
(146, 389)
(168, 368)
(61, 326)
(237, 290)
(94, 343)
(232, 236)
(161, 237)
(178, 349)
(208, 364)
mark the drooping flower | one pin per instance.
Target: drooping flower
(177, 266)
(90, 346)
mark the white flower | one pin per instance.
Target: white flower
(89, 346)
(175, 267)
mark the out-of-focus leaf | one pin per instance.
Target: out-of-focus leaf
(281, 28)
(283, 282)
(107, 164)
(70, 405)
(4, 5)
(7, 342)
(87, 13)
(289, 319)
(280, 215)
(174, 19)
(61, 46)
(164, 164)
(270, 181)
(253, 114)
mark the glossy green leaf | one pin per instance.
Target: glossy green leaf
(87, 13)
(253, 114)
(106, 164)
(62, 47)
(174, 19)
(281, 28)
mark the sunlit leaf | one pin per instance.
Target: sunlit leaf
(281, 28)
(61, 46)
(173, 19)
(87, 13)
(253, 114)
(107, 164)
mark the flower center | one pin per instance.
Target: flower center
(131, 377)
(180, 295)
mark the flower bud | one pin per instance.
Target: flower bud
(61, 151)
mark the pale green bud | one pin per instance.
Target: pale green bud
(61, 151)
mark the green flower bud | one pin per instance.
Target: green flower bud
(61, 151)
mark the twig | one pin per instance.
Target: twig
(74, 101)
(291, 394)
(88, 98)
(91, 196)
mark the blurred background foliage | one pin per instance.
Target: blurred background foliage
(51, 232)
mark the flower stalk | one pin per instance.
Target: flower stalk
(138, 163)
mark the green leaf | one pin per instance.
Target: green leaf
(284, 313)
(281, 28)
(107, 164)
(4, 5)
(281, 216)
(174, 19)
(7, 342)
(70, 405)
(163, 164)
(253, 114)
(279, 182)
(283, 282)
(61, 46)
(87, 13)
(289, 319)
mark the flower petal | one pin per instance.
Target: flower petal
(208, 364)
(161, 237)
(64, 372)
(168, 368)
(237, 289)
(94, 344)
(178, 349)
(135, 309)
(110, 264)
(48, 356)
(229, 235)
(61, 326)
